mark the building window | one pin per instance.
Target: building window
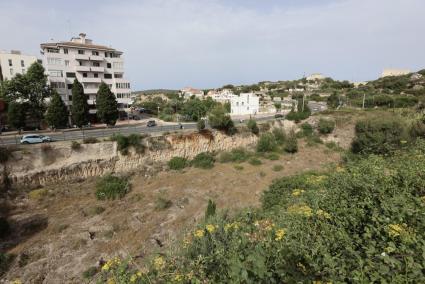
(94, 53)
(108, 76)
(116, 75)
(85, 75)
(10, 62)
(96, 64)
(52, 50)
(55, 73)
(69, 86)
(57, 85)
(70, 74)
(66, 62)
(70, 97)
(54, 61)
(11, 71)
(108, 65)
(80, 51)
(96, 75)
(22, 63)
(65, 50)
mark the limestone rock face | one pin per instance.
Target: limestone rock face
(35, 166)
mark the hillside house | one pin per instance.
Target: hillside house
(245, 103)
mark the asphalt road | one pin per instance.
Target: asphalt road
(107, 132)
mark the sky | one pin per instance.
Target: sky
(209, 43)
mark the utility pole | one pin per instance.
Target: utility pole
(364, 98)
(303, 102)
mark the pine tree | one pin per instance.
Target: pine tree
(210, 211)
(16, 115)
(57, 113)
(107, 105)
(80, 107)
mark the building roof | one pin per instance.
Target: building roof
(75, 44)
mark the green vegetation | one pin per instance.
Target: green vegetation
(112, 187)
(291, 144)
(5, 262)
(125, 142)
(252, 126)
(306, 129)
(57, 112)
(210, 211)
(277, 168)
(326, 126)
(16, 114)
(266, 143)
(75, 145)
(238, 167)
(309, 230)
(255, 161)
(203, 161)
(382, 135)
(200, 125)
(238, 155)
(177, 163)
(107, 105)
(279, 135)
(80, 107)
(219, 119)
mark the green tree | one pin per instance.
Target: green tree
(219, 119)
(57, 113)
(252, 126)
(30, 89)
(333, 100)
(16, 114)
(210, 211)
(80, 107)
(107, 105)
(200, 125)
(194, 109)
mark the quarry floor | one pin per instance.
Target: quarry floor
(81, 230)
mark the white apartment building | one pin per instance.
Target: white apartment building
(394, 72)
(222, 96)
(188, 92)
(14, 62)
(245, 103)
(315, 76)
(91, 64)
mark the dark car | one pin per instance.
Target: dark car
(278, 115)
(151, 123)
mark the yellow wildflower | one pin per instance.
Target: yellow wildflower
(297, 192)
(279, 234)
(403, 141)
(139, 274)
(210, 228)
(339, 169)
(199, 233)
(17, 281)
(189, 276)
(159, 263)
(178, 278)
(234, 225)
(395, 230)
(111, 281)
(301, 209)
(133, 278)
(322, 213)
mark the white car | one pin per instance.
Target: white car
(35, 138)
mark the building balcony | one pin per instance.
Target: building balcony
(81, 57)
(82, 68)
(89, 91)
(97, 69)
(96, 58)
(91, 80)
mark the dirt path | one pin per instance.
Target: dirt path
(81, 229)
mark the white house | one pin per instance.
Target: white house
(394, 72)
(188, 92)
(245, 103)
(315, 76)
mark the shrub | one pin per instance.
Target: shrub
(417, 129)
(5, 262)
(219, 119)
(210, 211)
(111, 187)
(237, 155)
(277, 168)
(200, 125)
(291, 145)
(75, 145)
(90, 140)
(177, 163)
(272, 156)
(162, 203)
(203, 160)
(238, 167)
(279, 135)
(306, 129)
(255, 162)
(90, 272)
(4, 155)
(381, 135)
(252, 126)
(125, 142)
(266, 143)
(326, 126)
